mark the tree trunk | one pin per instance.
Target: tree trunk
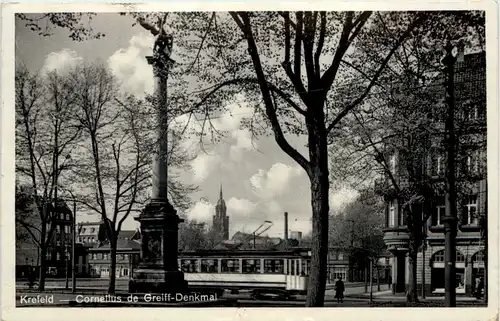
(43, 255)
(112, 273)
(319, 248)
(378, 278)
(411, 293)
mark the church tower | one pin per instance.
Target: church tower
(220, 219)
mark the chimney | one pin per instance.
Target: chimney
(286, 228)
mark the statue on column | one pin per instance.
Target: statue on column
(158, 270)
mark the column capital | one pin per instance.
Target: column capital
(161, 64)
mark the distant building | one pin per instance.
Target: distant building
(220, 223)
(90, 232)
(58, 253)
(295, 235)
(127, 255)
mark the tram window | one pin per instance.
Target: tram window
(251, 266)
(209, 266)
(306, 266)
(273, 266)
(189, 266)
(230, 265)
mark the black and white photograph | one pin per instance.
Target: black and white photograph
(260, 158)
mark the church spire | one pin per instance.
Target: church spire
(220, 196)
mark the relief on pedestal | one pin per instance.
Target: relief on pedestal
(153, 248)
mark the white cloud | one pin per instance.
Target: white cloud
(233, 115)
(203, 165)
(61, 61)
(202, 211)
(275, 181)
(240, 208)
(130, 67)
(242, 142)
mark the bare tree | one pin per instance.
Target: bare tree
(115, 171)
(45, 136)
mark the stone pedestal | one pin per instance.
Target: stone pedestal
(158, 270)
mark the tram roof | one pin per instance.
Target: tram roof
(252, 252)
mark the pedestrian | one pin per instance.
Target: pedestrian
(480, 287)
(339, 290)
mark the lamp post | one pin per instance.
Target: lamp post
(450, 219)
(73, 243)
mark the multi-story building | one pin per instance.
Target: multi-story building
(90, 232)
(220, 224)
(470, 102)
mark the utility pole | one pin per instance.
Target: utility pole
(450, 219)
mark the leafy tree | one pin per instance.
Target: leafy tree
(195, 236)
(398, 134)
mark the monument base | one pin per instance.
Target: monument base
(157, 281)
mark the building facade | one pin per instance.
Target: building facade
(127, 256)
(220, 223)
(470, 102)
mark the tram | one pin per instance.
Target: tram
(262, 272)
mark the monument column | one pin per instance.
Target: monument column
(158, 270)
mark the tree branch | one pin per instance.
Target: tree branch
(321, 42)
(266, 94)
(401, 39)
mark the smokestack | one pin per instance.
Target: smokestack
(286, 228)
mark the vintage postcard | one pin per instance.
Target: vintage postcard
(333, 159)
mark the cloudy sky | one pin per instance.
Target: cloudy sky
(260, 182)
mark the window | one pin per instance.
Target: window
(306, 266)
(125, 272)
(67, 217)
(439, 165)
(48, 256)
(439, 256)
(251, 266)
(92, 239)
(273, 266)
(58, 256)
(439, 211)
(48, 227)
(61, 216)
(105, 256)
(209, 266)
(230, 265)
(478, 257)
(189, 266)
(392, 162)
(470, 210)
(67, 229)
(471, 113)
(339, 272)
(83, 230)
(58, 228)
(94, 256)
(459, 257)
(341, 256)
(392, 214)
(92, 230)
